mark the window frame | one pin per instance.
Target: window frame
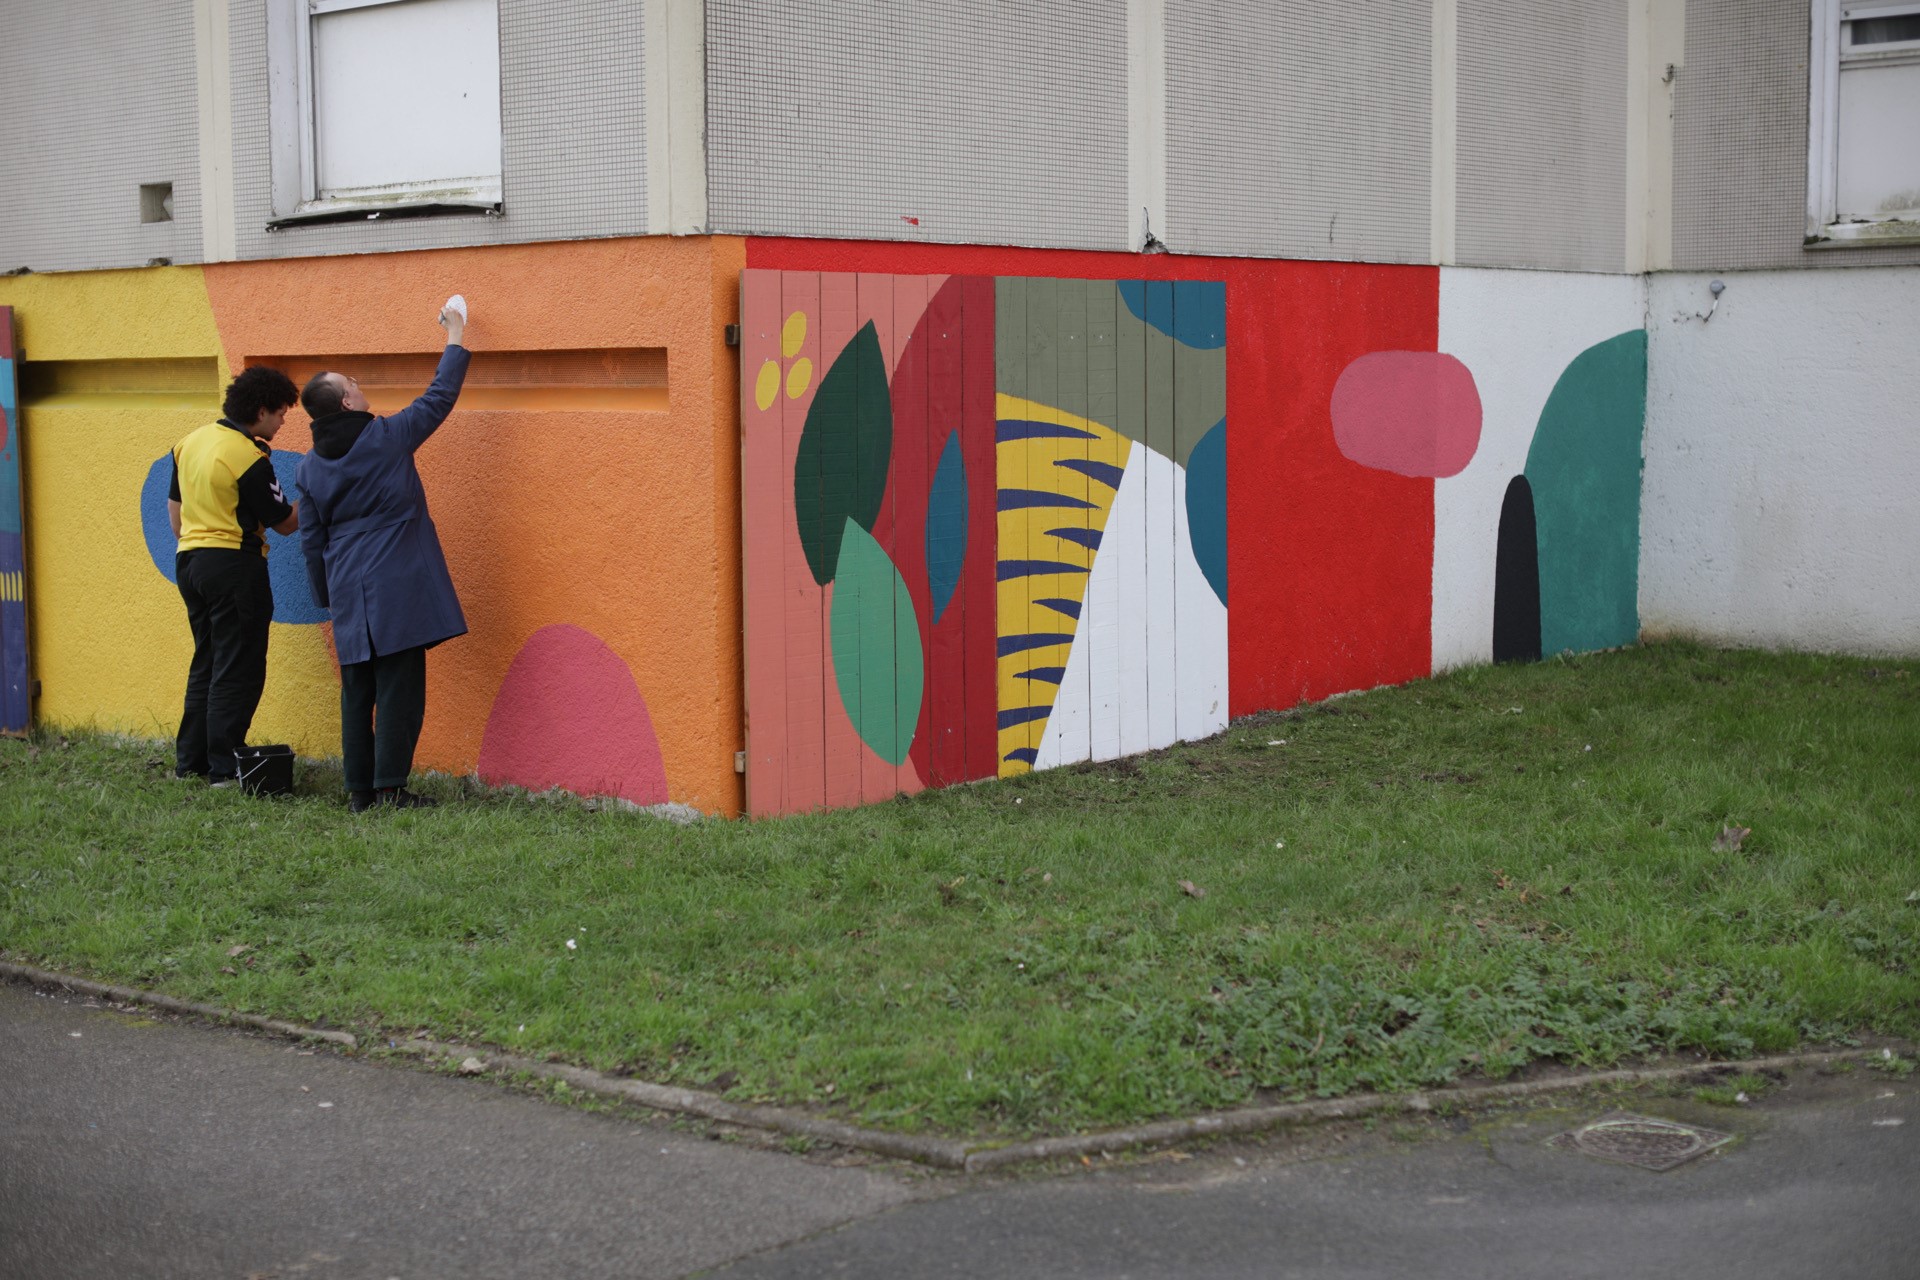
(296, 194)
(1829, 53)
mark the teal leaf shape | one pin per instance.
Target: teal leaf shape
(946, 525)
(846, 446)
(877, 658)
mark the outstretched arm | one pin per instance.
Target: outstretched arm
(422, 418)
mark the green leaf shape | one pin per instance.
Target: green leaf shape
(840, 470)
(1584, 468)
(877, 658)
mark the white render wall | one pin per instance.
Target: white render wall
(1781, 503)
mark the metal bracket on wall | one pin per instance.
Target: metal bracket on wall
(739, 762)
(733, 335)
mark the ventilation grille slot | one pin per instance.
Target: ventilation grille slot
(123, 383)
(603, 378)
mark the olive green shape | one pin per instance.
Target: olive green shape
(1074, 345)
(1584, 469)
(877, 659)
(840, 468)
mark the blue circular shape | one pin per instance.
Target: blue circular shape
(153, 515)
(286, 567)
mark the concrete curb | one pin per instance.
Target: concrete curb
(153, 999)
(947, 1153)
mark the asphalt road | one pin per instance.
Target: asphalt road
(134, 1147)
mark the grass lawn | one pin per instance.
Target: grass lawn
(1398, 888)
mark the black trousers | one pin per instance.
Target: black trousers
(229, 606)
(382, 704)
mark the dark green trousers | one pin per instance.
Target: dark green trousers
(382, 704)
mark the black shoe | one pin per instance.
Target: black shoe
(360, 801)
(401, 798)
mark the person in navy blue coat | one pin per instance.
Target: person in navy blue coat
(374, 559)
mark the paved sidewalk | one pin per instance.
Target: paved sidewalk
(146, 1147)
(134, 1147)
(1823, 1181)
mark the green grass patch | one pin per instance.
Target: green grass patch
(1396, 889)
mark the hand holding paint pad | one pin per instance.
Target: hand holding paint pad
(454, 317)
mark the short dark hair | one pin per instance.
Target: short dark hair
(258, 389)
(321, 397)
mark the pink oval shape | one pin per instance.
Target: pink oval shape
(569, 715)
(1414, 413)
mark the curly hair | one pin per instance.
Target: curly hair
(321, 397)
(257, 390)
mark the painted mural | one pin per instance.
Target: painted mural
(989, 537)
(1420, 473)
(1537, 538)
(579, 521)
(16, 710)
(996, 510)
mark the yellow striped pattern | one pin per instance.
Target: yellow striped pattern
(1024, 535)
(13, 586)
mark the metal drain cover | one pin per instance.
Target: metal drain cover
(1641, 1141)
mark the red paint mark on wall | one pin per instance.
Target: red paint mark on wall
(569, 715)
(1414, 413)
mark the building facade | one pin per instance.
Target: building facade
(899, 395)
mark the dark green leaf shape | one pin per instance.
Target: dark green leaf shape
(840, 471)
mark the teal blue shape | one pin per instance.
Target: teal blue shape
(877, 659)
(1193, 312)
(1584, 468)
(946, 525)
(9, 453)
(1207, 506)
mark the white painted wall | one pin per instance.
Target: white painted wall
(1516, 331)
(1781, 504)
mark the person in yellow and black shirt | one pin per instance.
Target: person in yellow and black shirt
(222, 499)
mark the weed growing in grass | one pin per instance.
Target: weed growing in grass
(1410, 886)
(1892, 1064)
(1735, 1091)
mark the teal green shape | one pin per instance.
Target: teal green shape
(1584, 468)
(846, 446)
(947, 525)
(1207, 506)
(877, 658)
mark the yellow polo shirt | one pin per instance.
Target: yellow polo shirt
(223, 480)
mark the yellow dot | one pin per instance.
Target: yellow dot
(798, 377)
(767, 385)
(792, 334)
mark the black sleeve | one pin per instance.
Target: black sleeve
(173, 485)
(260, 495)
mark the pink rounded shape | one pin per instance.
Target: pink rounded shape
(1414, 413)
(570, 715)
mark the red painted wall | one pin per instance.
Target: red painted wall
(1330, 564)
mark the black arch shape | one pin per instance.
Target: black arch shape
(1516, 578)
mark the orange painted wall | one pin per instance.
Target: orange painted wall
(621, 522)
